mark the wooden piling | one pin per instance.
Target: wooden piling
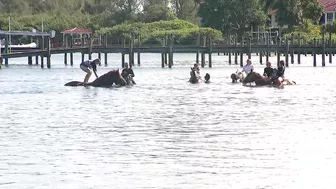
(65, 58)
(299, 52)
(6, 49)
(236, 53)
(314, 53)
(90, 49)
(241, 53)
(171, 55)
(198, 44)
(48, 53)
(279, 52)
(323, 49)
(210, 51)
(203, 54)
(163, 56)
(139, 42)
(286, 51)
(42, 61)
(330, 45)
(71, 54)
(123, 54)
(105, 45)
(30, 60)
(267, 47)
(292, 51)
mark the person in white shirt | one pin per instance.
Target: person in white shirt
(248, 67)
(86, 66)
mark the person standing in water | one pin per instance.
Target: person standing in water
(86, 66)
(248, 67)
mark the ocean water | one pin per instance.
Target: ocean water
(164, 132)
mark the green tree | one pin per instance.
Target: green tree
(232, 16)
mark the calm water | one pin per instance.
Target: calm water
(164, 132)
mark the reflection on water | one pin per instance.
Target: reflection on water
(166, 133)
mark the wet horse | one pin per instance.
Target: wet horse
(106, 80)
(260, 80)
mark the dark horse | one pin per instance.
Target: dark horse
(105, 80)
(260, 80)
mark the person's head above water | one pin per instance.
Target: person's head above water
(126, 65)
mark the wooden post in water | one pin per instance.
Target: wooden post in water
(286, 51)
(66, 46)
(230, 52)
(71, 54)
(82, 44)
(139, 42)
(202, 53)
(36, 57)
(267, 46)
(314, 53)
(279, 52)
(48, 53)
(166, 53)
(198, 44)
(163, 62)
(131, 51)
(330, 45)
(171, 55)
(210, 51)
(42, 56)
(299, 52)
(292, 51)
(323, 47)
(249, 46)
(36, 60)
(99, 44)
(105, 45)
(236, 53)
(242, 52)
(90, 48)
(30, 60)
(123, 54)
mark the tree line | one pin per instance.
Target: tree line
(227, 16)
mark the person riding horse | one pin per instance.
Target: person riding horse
(194, 74)
(128, 74)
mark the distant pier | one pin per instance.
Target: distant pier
(233, 47)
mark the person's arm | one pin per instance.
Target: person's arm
(132, 73)
(94, 68)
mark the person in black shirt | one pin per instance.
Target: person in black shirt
(281, 69)
(126, 72)
(268, 71)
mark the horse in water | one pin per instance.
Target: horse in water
(260, 80)
(105, 80)
(237, 77)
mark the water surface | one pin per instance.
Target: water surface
(164, 132)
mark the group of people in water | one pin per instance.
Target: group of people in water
(195, 75)
(276, 75)
(90, 66)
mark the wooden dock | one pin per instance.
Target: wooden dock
(233, 48)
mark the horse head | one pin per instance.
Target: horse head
(238, 76)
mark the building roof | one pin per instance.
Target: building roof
(77, 31)
(328, 5)
(272, 11)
